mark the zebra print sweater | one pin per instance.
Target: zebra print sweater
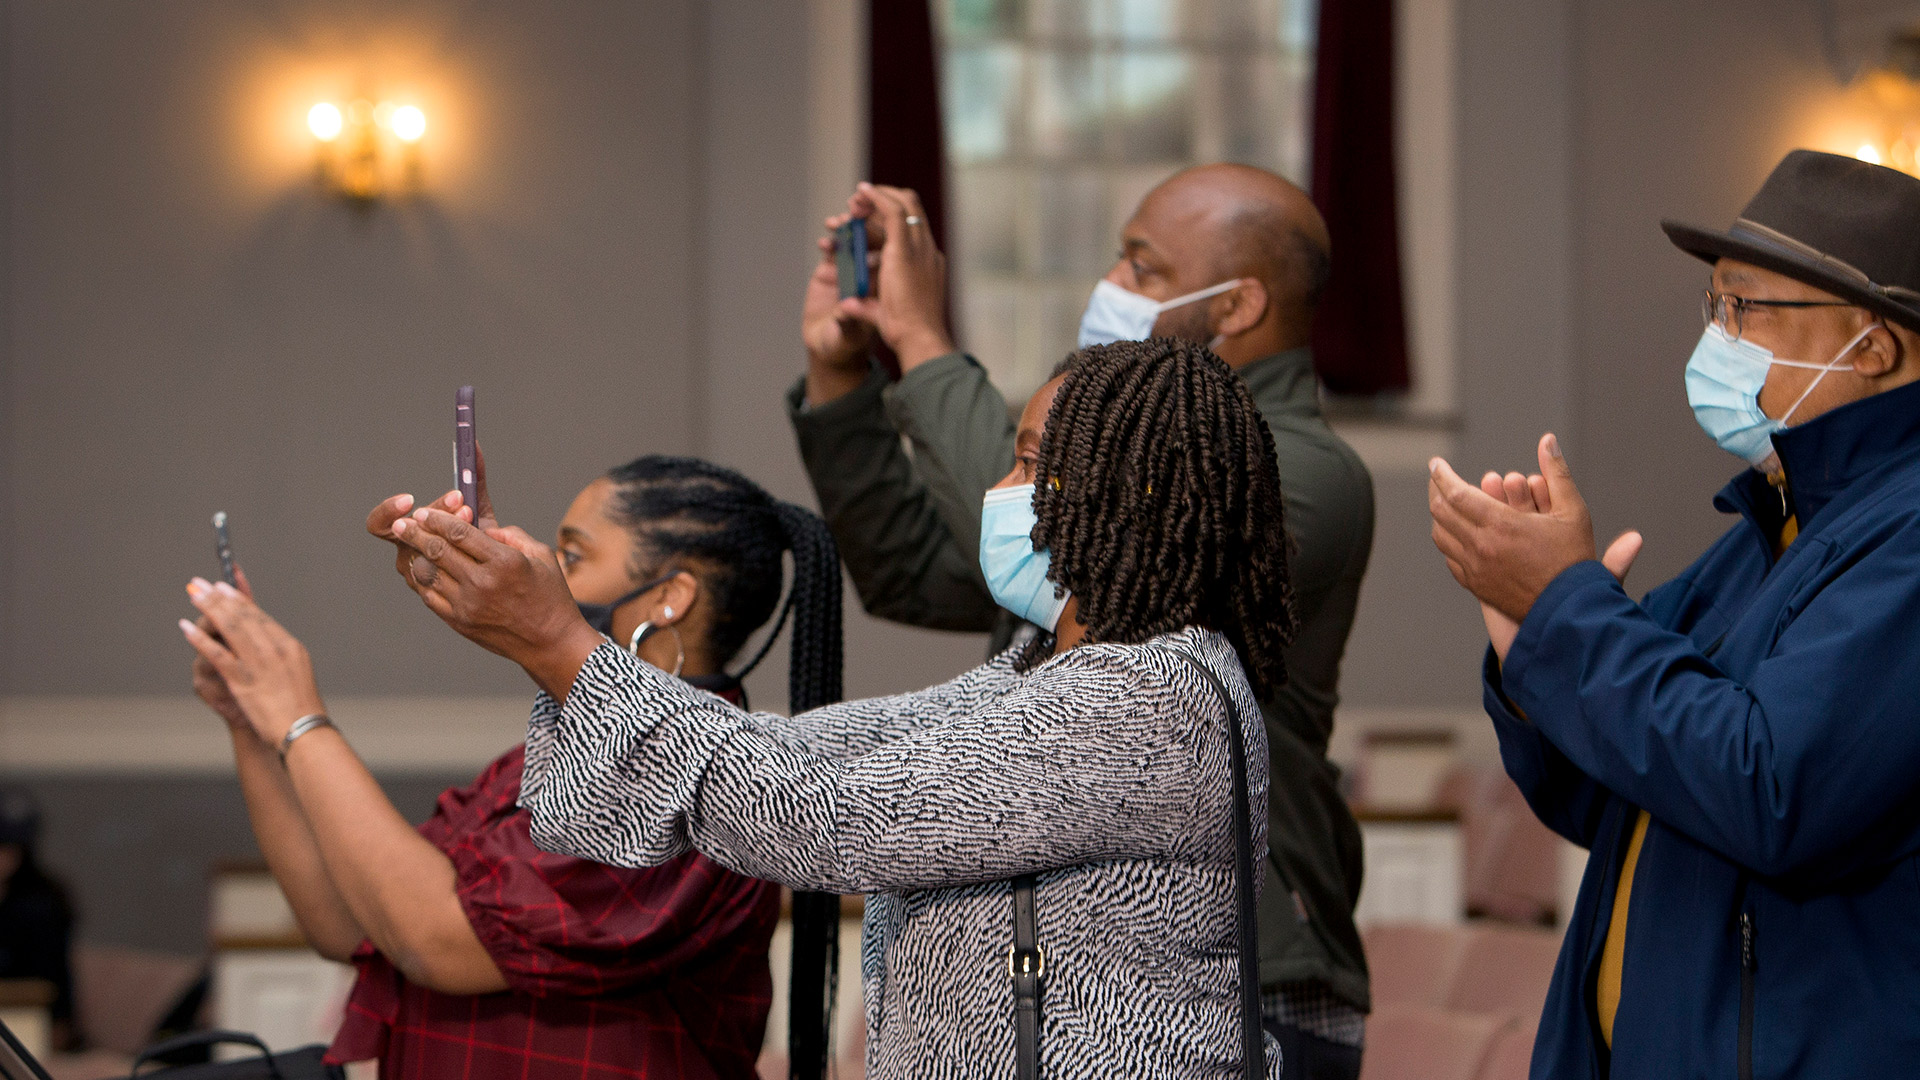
(1105, 771)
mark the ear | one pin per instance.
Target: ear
(1240, 310)
(678, 594)
(1879, 353)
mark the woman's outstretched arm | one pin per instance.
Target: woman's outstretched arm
(397, 886)
(1105, 755)
(279, 827)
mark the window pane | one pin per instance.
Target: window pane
(1068, 22)
(1069, 95)
(1070, 234)
(1063, 114)
(1153, 99)
(1251, 111)
(980, 18)
(1299, 25)
(1048, 327)
(1150, 22)
(988, 309)
(983, 95)
(986, 212)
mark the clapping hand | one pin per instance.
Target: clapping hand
(1508, 538)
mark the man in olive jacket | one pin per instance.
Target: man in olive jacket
(909, 525)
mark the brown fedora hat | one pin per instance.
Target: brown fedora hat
(1834, 222)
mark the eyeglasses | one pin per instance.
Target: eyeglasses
(1729, 311)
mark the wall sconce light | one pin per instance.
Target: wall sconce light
(366, 150)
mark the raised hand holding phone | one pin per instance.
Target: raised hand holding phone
(223, 547)
(850, 254)
(466, 451)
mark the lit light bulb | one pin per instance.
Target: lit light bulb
(324, 121)
(409, 123)
(1868, 153)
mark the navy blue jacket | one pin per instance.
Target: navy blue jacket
(1767, 716)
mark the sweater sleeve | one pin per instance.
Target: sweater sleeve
(896, 544)
(1562, 797)
(1091, 758)
(962, 436)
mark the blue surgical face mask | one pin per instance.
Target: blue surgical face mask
(1016, 573)
(1114, 314)
(1724, 378)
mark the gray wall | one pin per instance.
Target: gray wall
(611, 245)
(194, 327)
(1666, 129)
(1579, 126)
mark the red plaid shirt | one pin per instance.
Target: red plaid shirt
(659, 972)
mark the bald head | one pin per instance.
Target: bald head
(1214, 223)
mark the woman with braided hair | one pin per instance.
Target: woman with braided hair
(479, 954)
(1056, 847)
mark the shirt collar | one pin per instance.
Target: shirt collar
(1284, 382)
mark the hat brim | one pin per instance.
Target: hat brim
(1711, 246)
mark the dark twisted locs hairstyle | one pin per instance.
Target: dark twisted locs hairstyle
(734, 534)
(1158, 496)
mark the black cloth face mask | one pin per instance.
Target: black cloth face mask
(600, 616)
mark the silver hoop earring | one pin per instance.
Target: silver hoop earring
(645, 629)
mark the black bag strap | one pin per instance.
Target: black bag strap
(1026, 965)
(194, 1039)
(1027, 962)
(1252, 1037)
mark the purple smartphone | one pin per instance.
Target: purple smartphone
(466, 463)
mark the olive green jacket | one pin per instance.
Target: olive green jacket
(908, 525)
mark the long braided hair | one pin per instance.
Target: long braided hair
(734, 534)
(1158, 496)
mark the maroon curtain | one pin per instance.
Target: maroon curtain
(1360, 330)
(906, 142)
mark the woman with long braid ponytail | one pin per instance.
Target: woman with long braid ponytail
(500, 959)
(1056, 848)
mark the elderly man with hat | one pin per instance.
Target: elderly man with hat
(1740, 750)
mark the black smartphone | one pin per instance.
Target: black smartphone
(223, 547)
(850, 251)
(466, 457)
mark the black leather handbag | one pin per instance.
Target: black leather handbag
(306, 1063)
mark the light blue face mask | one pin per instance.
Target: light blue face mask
(1115, 314)
(1016, 573)
(1724, 377)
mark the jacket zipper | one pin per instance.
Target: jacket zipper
(1747, 968)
